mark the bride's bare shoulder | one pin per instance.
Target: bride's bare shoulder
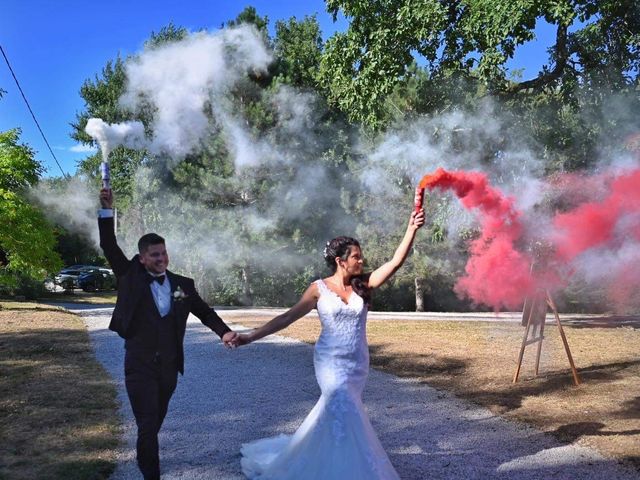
(314, 288)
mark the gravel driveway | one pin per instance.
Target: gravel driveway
(228, 397)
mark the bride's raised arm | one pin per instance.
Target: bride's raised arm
(306, 303)
(383, 273)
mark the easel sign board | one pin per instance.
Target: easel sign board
(534, 313)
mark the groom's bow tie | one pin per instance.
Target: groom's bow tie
(158, 278)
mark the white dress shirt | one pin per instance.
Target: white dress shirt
(161, 294)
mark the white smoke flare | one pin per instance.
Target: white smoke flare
(109, 136)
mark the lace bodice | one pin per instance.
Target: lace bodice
(343, 324)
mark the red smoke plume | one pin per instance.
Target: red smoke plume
(497, 274)
(606, 225)
(595, 224)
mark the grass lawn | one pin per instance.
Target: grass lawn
(58, 409)
(477, 360)
(78, 296)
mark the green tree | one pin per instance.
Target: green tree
(167, 34)
(205, 193)
(597, 45)
(249, 15)
(27, 241)
(298, 49)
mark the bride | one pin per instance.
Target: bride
(336, 440)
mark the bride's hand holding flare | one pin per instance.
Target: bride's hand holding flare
(384, 272)
(417, 219)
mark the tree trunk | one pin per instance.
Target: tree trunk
(247, 294)
(419, 284)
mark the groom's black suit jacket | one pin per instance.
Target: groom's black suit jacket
(135, 309)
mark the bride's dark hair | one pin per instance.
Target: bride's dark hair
(340, 247)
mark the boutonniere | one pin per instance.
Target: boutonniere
(179, 295)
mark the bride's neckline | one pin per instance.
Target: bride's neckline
(345, 302)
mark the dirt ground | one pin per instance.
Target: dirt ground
(58, 408)
(477, 361)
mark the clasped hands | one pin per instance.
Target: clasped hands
(235, 339)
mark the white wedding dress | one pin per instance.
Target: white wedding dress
(336, 441)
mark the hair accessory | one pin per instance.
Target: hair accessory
(325, 252)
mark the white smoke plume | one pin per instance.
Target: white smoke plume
(72, 204)
(181, 81)
(109, 136)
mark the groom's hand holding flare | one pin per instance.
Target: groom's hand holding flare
(106, 198)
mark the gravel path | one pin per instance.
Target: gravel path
(229, 397)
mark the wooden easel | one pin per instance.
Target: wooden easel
(534, 315)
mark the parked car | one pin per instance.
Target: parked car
(96, 278)
(67, 278)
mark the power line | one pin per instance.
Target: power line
(31, 111)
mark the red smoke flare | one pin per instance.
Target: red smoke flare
(497, 274)
(594, 224)
(604, 216)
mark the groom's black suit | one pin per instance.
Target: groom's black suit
(154, 344)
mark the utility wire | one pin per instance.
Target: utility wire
(31, 111)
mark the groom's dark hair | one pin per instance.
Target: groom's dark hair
(149, 239)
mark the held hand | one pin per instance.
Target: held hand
(243, 339)
(106, 198)
(229, 339)
(235, 339)
(417, 219)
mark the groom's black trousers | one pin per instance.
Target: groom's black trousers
(150, 375)
(150, 378)
(150, 382)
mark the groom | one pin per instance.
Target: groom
(151, 315)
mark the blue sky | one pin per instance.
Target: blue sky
(54, 46)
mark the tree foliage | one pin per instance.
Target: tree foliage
(596, 47)
(298, 48)
(26, 239)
